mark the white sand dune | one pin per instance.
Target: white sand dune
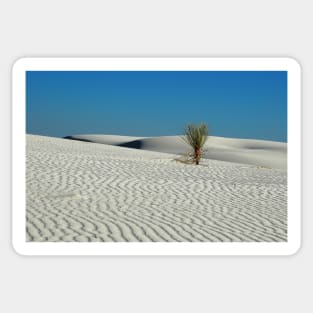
(115, 140)
(246, 151)
(82, 191)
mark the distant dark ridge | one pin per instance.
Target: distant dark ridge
(135, 144)
(78, 139)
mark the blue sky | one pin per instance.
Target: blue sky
(234, 104)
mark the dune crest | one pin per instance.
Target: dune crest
(262, 153)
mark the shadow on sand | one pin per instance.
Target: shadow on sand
(135, 144)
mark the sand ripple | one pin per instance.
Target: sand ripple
(80, 191)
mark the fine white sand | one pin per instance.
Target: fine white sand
(247, 151)
(83, 191)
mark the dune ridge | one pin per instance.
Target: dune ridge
(83, 191)
(246, 151)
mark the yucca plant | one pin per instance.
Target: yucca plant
(196, 136)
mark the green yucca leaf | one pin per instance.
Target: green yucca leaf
(196, 136)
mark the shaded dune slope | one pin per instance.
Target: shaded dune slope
(246, 151)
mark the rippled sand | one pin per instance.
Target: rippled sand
(82, 191)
